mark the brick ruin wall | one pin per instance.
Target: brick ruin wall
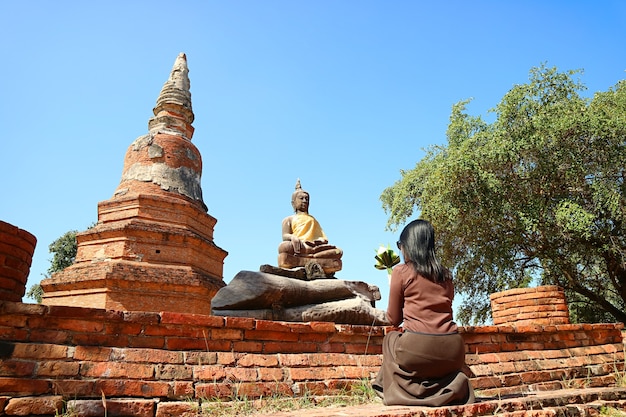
(166, 364)
(16, 254)
(160, 364)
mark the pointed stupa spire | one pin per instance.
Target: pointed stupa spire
(165, 161)
(173, 107)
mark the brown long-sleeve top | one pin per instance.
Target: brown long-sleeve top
(423, 305)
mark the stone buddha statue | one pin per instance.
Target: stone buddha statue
(304, 241)
(298, 289)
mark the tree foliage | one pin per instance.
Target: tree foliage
(536, 196)
(63, 251)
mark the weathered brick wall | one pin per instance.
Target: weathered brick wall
(16, 254)
(160, 364)
(537, 305)
(516, 359)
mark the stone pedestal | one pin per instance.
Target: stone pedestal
(330, 266)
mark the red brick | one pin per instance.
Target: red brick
(239, 323)
(147, 356)
(349, 338)
(209, 373)
(484, 348)
(270, 374)
(11, 295)
(15, 368)
(19, 238)
(270, 335)
(326, 327)
(173, 330)
(176, 408)
(92, 353)
(252, 360)
(241, 374)
(174, 372)
(93, 339)
(58, 369)
(39, 351)
(28, 406)
(295, 360)
(123, 328)
(214, 390)
(11, 279)
(351, 329)
(309, 328)
(132, 388)
(94, 314)
(56, 337)
(14, 251)
(200, 358)
(114, 407)
(313, 337)
(227, 358)
(23, 386)
(183, 343)
(116, 370)
(357, 372)
(227, 334)
(191, 319)
(370, 360)
(284, 347)
(311, 388)
(363, 349)
(332, 359)
(7, 307)
(75, 325)
(246, 346)
(73, 388)
(141, 317)
(485, 382)
(147, 342)
(182, 390)
(317, 373)
(261, 389)
(277, 326)
(334, 347)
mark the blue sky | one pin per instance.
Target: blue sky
(341, 94)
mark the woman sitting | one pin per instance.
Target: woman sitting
(422, 364)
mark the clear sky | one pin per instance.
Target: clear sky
(342, 94)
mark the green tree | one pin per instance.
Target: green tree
(63, 252)
(538, 195)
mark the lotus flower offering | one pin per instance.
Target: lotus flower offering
(386, 259)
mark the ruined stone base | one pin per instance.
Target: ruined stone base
(132, 286)
(330, 266)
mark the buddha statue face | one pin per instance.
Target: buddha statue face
(300, 201)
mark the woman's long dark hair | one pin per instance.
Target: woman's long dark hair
(418, 243)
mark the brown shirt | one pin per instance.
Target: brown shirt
(423, 305)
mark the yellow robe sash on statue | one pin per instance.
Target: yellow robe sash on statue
(305, 227)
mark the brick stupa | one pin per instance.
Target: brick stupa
(152, 248)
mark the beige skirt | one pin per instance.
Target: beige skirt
(423, 369)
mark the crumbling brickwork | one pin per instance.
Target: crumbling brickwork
(149, 363)
(16, 254)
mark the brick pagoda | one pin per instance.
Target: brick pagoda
(152, 248)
